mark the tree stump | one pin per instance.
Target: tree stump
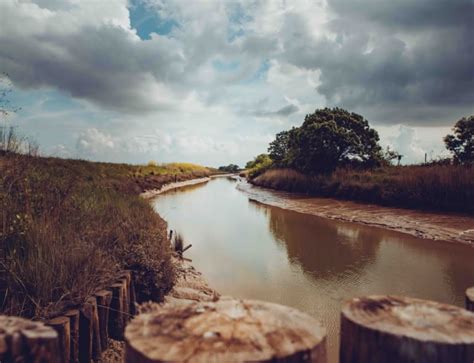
(399, 329)
(62, 326)
(470, 299)
(89, 335)
(104, 298)
(23, 340)
(116, 319)
(73, 316)
(226, 330)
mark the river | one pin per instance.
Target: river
(252, 250)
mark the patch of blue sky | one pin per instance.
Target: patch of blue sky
(146, 20)
(237, 20)
(222, 66)
(260, 74)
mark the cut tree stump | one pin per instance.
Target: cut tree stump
(62, 326)
(470, 299)
(23, 340)
(400, 329)
(104, 298)
(73, 316)
(225, 330)
(116, 319)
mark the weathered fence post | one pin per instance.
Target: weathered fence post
(62, 326)
(73, 316)
(89, 335)
(225, 330)
(401, 329)
(23, 340)
(470, 299)
(116, 319)
(104, 299)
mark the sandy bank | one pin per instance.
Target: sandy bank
(429, 225)
(154, 192)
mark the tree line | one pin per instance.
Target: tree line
(331, 138)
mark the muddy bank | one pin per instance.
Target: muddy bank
(436, 226)
(171, 186)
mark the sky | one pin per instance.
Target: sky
(212, 82)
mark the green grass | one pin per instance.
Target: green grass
(68, 226)
(432, 187)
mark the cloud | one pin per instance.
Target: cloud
(199, 75)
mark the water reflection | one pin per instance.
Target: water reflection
(252, 250)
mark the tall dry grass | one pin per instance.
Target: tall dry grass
(434, 187)
(68, 226)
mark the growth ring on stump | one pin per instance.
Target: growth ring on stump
(227, 330)
(400, 329)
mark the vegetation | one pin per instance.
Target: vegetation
(231, 168)
(328, 138)
(67, 227)
(336, 154)
(258, 165)
(436, 187)
(461, 144)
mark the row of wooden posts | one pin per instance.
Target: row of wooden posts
(79, 335)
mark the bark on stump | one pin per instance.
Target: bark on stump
(226, 330)
(104, 298)
(62, 326)
(399, 329)
(73, 316)
(470, 299)
(116, 319)
(23, 340)
(89, 336)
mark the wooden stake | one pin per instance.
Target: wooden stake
(116, 320)
(470, 299)
(104, 298)
(400, 329)
(222, 331)
(73, 316)
(62, 326)
(23, 340)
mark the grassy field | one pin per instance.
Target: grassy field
(68, 226)
(432, 187)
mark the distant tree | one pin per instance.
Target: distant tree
(231, 168)
(461, 144)
(278, 148)
(389, 155)
(332, 137)
(259, 160)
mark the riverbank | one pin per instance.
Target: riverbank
(448, 227)
(69, 226)
(439, 188)
(172, 186)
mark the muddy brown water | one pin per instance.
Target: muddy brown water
(252, 250)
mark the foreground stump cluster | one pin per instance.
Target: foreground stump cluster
(227, 330)
(400, 329)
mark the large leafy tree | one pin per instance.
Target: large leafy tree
(278, 148)
(332, 137)
(461, 144)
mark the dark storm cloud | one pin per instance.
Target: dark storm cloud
(413, 56)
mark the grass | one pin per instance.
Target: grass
(68, 226)
(432, 187)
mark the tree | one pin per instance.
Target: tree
(461, 144)
(333, 137)
(231, 168)
(278, 148)
(262, 159)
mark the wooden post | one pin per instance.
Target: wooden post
(85, 333)
(62, 326)
(116, 320)
(104, 298)
(225, 330)
(73, 316)
(23, 340)
(470, 299)
(400, 329)
(131, 291)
